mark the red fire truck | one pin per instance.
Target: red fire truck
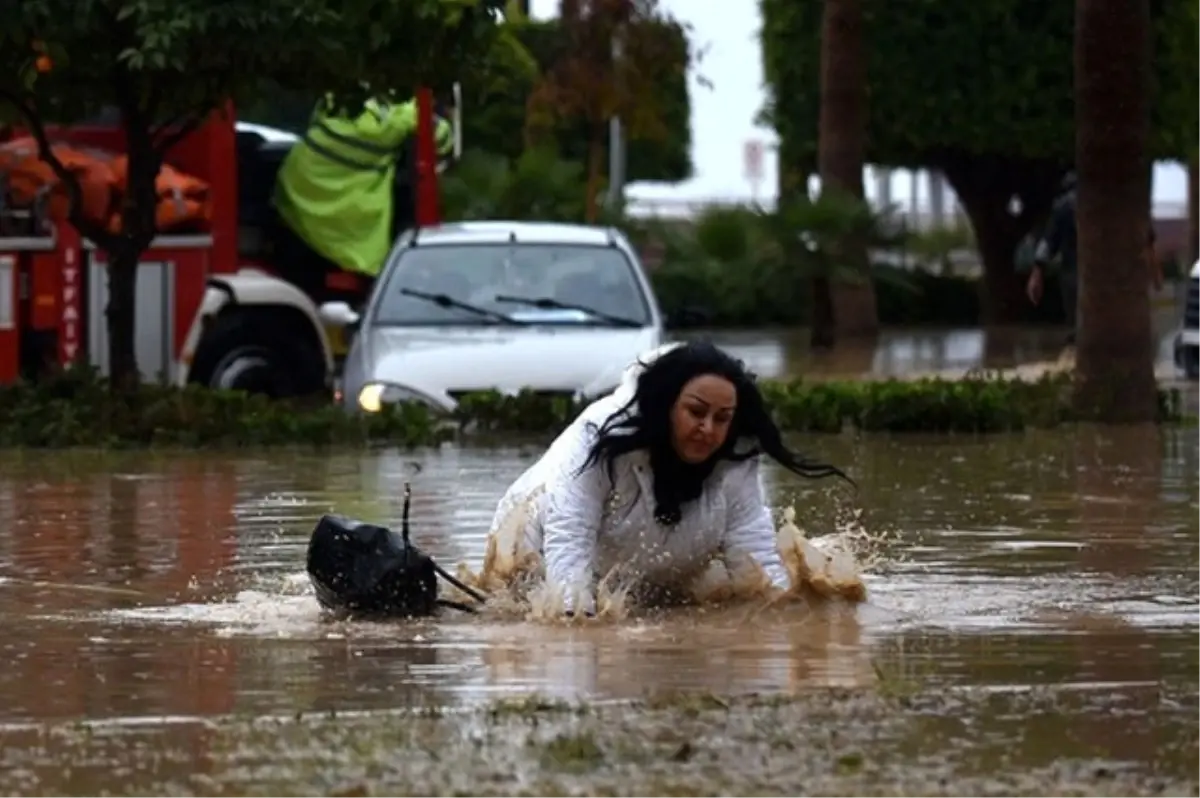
(218, 308)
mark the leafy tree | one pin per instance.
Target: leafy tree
(609, 61)
(658, 154)
(495, 99)
(982, 91)
(494, 94)
(166, 66)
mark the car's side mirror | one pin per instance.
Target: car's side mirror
(339, 314)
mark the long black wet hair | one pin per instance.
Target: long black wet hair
(645, 423)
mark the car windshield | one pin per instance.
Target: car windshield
(487, 277)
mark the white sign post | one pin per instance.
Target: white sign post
(752, 164)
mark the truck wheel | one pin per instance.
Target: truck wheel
(1191, 363)
(251, 368)
(239, 354)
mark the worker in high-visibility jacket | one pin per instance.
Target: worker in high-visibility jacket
(335, 187)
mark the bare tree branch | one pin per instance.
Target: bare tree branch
(167, 135)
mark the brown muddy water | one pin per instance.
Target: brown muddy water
(1030, 627)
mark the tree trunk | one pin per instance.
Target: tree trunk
(823, 332)
(594, 161)
(1112, 124)
(855, 307)
(841, 147)
(986, 186)
(138, 228)
(1193, 245)
(121, 317)
(793, 172)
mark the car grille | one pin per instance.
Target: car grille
(1191, 311)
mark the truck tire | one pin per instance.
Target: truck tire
(249, 351)
(1191, 363)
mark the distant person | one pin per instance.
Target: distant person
(657, 479)
(1061, 241)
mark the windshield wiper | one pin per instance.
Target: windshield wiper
(549, 303)
(447, 301)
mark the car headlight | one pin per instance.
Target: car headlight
(374, 395)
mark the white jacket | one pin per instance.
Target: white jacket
(584, 526)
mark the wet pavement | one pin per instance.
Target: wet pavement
(1031, 626)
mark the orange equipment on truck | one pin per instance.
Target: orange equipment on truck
(31, 182)
(215, 305)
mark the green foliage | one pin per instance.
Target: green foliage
(496, 95)
(736, 267)
(173, 59)
(987, 77)
(75, 409)
(493, 97)
(750, 267)
(166, 65)
(980, 403)
(537, 185)
(494, 100)
(800, 236)
(934, 249)
(666, 54)
(982, 91)
(711, 296)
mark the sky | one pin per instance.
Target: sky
(723, 116)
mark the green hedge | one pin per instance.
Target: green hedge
(76, 409)
(719, 297)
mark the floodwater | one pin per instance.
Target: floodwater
(905, 351)
(1032, 613)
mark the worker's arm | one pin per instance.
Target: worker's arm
(443, 136)
(1050, 245)
(1048, 248)
(397, 122)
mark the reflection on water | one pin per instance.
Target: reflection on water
(895, 352)
(899, 351)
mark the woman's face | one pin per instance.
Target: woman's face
(701, 416)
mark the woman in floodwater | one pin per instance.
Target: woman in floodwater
(657, 479)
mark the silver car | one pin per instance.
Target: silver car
(556, 308)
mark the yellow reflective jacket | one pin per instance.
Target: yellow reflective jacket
(334, 189)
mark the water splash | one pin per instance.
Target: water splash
(827, 568)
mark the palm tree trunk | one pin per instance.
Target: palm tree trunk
(1193, 250)
(841, 146)
(1115, 359)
